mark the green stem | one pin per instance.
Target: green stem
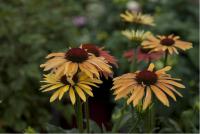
(136, 124)
(149, 62)
(133, 63)
(132, 113)
(150, 120)
(166, 56)
(79, 115)
(87, 115)
(116, 126)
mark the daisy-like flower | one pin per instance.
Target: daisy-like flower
(145, 55)
(138, 86)
(77, 85)
(138, 18)
(75, 59)
(99, 52)
(166, 43)
(137, 35)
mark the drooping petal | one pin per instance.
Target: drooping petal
(80, 93)
(72, 95)
(147, 100)
(160, 95)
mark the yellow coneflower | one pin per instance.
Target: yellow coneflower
(77, 85)
(73, 60)
(143, 83)
(137, 35)
(138, 18)
(166, 43)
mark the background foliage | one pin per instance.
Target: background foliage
(29, 29)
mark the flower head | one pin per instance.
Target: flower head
(75, 59)
(140, 85)
(138, 18)
(136, 35)
(166, 43)
(143, 54)
(99, 52)
(77, 85)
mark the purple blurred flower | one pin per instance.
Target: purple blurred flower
(79, 21)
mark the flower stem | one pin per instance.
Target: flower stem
(166, 56)
(136, 124)
(149, 62)
(87, 115)
(133, 64)
(132, 113)
(116, 126)
(150, 120)
(79, 115)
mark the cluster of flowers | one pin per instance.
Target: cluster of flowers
(80, 68)
(140, 84)
(76, 70)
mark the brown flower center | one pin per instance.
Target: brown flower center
(91, 49)
(145, 50)
(146, 77)
(167, 42)
(76, 55)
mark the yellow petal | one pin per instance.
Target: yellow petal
(162, 71)
(45, 86)
(72, 95)
(87, 72)
(84, 86)
(89, 83)
(88, 91)
(172, 88)
(147, 100)
(134, 94)
(53, 87)
(54, 96)
(80, 93)
(125, 92)
(151, 67)
(160, 95)
(167, 91)
(55, 55)
(172, 83)
(62, 91)
(138, 97)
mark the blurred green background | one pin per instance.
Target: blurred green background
(30, 29)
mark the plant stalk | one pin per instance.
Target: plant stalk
(79, 115)
(166, 57)
(87, 115)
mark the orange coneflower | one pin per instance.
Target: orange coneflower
(143, 83)
(166, 43)
(75, 59)
(77, 85)
(138, 18)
